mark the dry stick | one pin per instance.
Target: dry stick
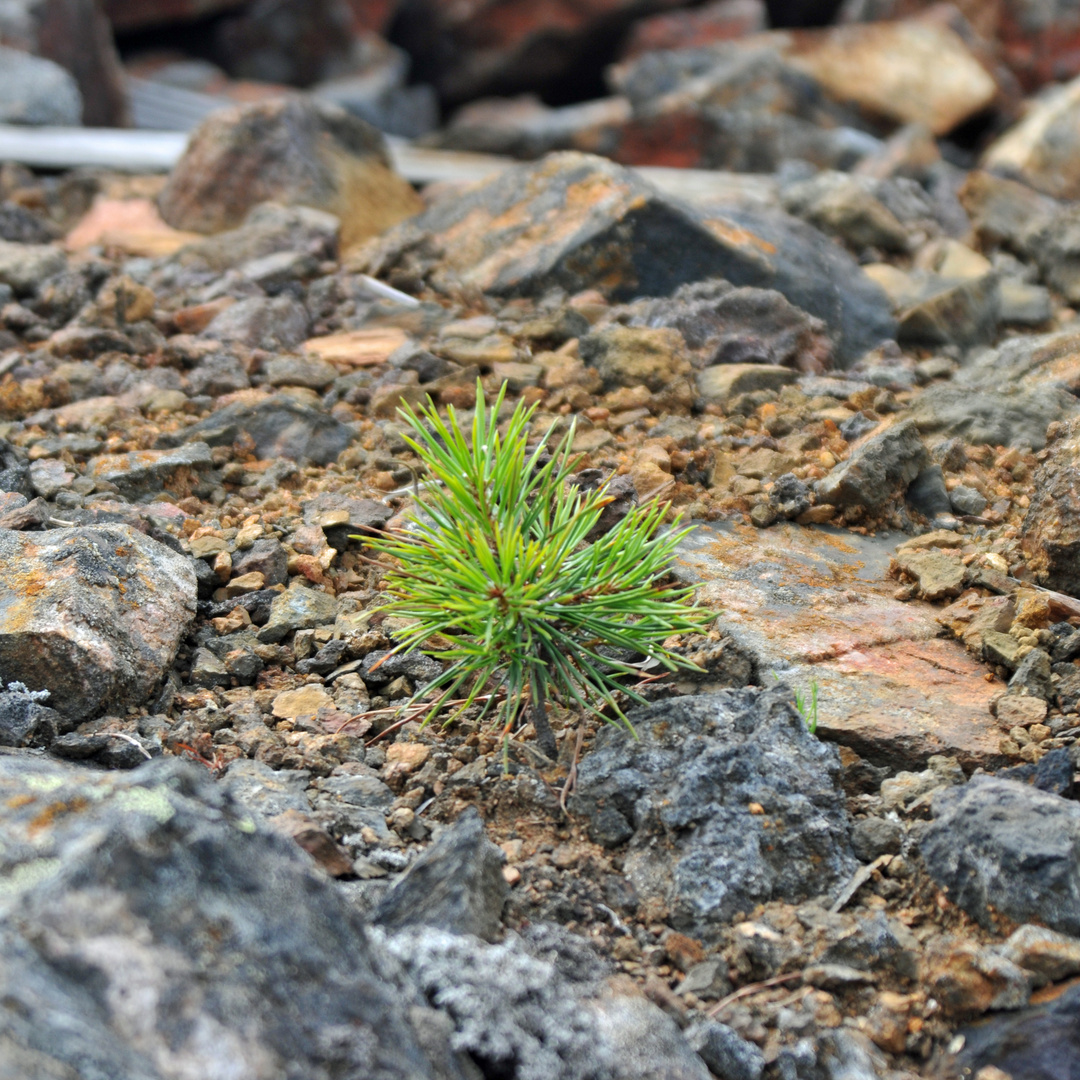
(753, 988)
(571, 776)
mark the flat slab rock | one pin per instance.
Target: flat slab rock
(815, 604)
(92, 614)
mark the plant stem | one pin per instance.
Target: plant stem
(545, 737)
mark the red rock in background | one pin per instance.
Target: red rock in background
(722, 20)
(76, 35)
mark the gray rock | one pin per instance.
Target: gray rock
(208, 670)
(728, 1055)
(789, 497)
(722, 383)
(1050, 534)
(19, 226)
(961, 313)
(927, 492)
(146, 472)
(509, 1011)
(267, 791)
(845, 206)
(273, 273)
(34, 90)
(93, 614)
(48, 476)
(1020, 303)
(112, 897)
(261, 323)
(645, 1043)
(1057, 250)
(217, 374)
(358, 789)
(966, 500)
(725, 325)
(26, 721)
(878, 470)
(300, 371)
(280, 426)
(267, 230)
(1040, 1043)
(1032, 676)
(455, 885)
(684, 787)
(874, 836)
(1011, 416)
(1001, 845)
(298, 608)
(25, 266)
(381, 667)
(584, 204)
(266, 556)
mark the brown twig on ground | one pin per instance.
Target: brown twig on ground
(571, 776)
(753, 988)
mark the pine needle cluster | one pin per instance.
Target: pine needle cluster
(496, 575)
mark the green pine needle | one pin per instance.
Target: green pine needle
(496, 579)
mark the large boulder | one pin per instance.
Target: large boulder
(36, 91)
(576, 221)
(296, 151)
(726, 801)
(94, 615)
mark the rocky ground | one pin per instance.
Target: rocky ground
(856, 373)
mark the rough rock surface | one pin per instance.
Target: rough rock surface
(998, 845)
(558, 222)
(1051, 530)
(93, 615)
(36, 91)
(291, 150)
(457, 885)
(683, 793)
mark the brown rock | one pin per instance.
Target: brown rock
(306, 701)
(76, 35)
(1050, 534)
(130, 226)
(293, 151)
(1044, 148)
(315, 840)
(968, 979)
(1019, 710)
(909, 72)
(939, 574)
(721, 20)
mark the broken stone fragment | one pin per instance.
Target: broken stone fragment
(1050, 534)
(878, 471)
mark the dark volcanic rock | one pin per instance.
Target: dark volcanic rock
(685, 788)
(455, 885)
(280, 426)
(1001, 845)
(576, 222)
(25, 720)
(1051, 529)
(94, 615)
(133, 872)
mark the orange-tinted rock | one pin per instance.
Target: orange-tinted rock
(293, 151)
(815, 605)
(578, 222)
(130, 226)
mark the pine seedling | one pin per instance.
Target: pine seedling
(495, 575)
